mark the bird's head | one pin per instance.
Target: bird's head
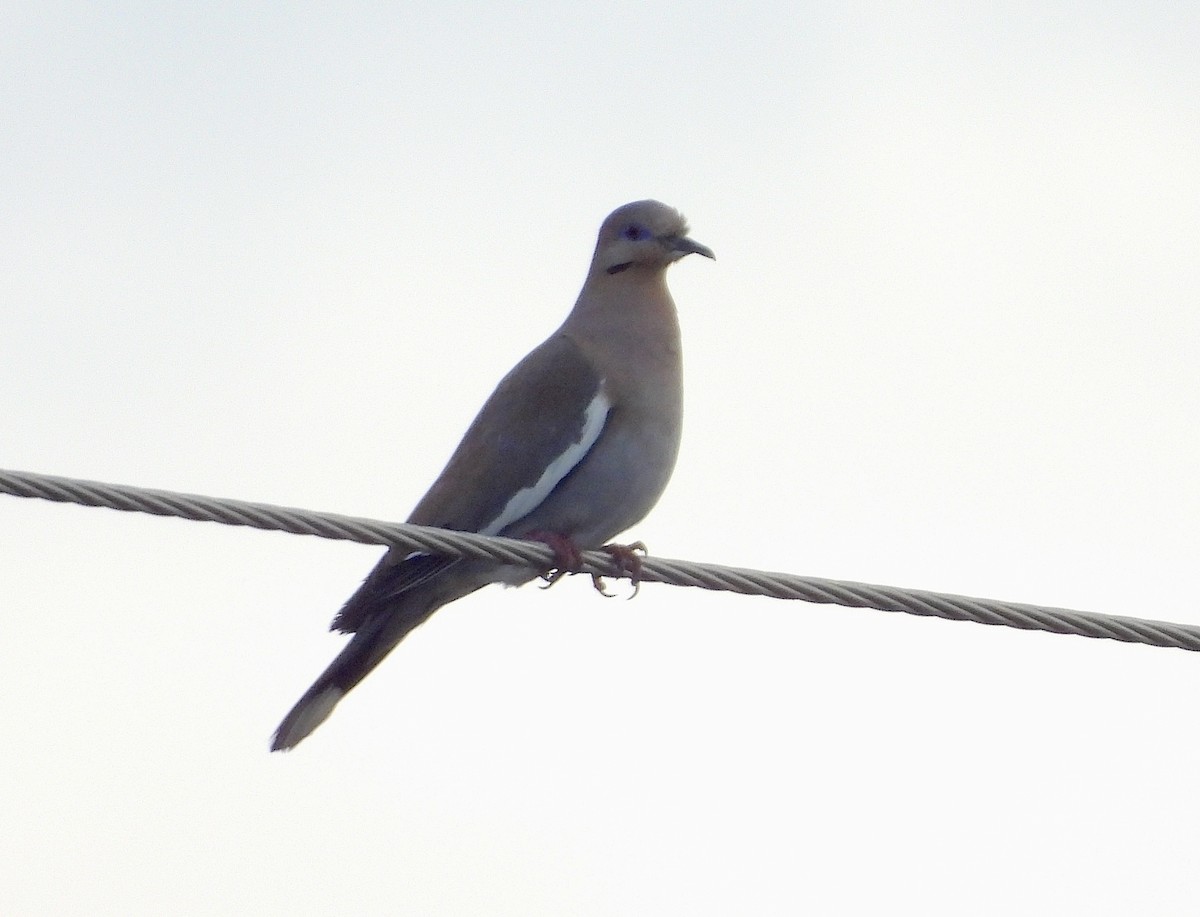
(644, 234)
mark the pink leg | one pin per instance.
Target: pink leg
(567, 557)
(628, 558)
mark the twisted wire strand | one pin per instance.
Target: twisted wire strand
(653, 569)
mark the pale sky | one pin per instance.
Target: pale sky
(951, 341)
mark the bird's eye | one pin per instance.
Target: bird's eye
(635, 233)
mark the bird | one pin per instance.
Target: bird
(575, 445)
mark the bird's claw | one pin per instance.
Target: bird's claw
(569, 559)
(628, 558)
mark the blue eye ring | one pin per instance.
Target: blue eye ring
(635, 233)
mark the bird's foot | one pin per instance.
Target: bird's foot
(628, 558)
(567, 556)
(569, 559)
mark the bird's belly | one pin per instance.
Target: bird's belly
(612, 489)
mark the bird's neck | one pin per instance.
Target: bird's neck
(625, 304)
(632, 311)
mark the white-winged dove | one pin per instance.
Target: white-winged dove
(574, 446)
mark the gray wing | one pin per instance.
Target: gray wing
(541, 416)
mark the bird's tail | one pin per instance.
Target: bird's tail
(377, 637)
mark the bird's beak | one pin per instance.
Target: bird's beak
(685, 246)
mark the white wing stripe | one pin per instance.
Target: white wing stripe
(526, 500)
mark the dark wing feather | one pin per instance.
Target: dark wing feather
(388, 581)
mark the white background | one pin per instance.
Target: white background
(951, 342)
